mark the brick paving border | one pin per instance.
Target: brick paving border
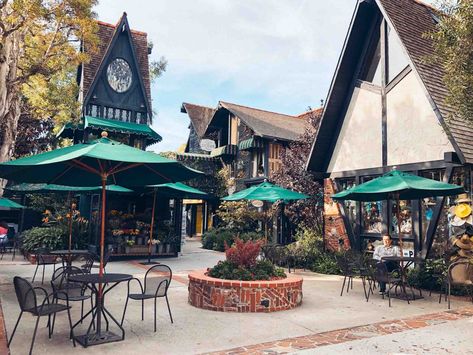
(3, 334)
(285, 346)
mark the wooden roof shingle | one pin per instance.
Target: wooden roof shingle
(200, 116)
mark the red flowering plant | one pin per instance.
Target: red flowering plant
(243, 263)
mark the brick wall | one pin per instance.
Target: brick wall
(244, 296)
(334, 228)
(3, 335)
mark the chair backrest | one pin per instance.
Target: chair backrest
(381, 272)
(89, 262)
(25, 294)
(157, 278)
(60, 278)
(460, 272)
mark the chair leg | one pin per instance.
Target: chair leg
(37, 266)
(143, 309)
(389, 294)
(70, 326)
(364, 288)
(169, 308)
(124, 311)
(34, 335)
(81, 310)
(448, 297)
(155, 314)
(14, 329)
(42, 278)
(343, 285)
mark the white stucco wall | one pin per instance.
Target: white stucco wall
(413, 131)
(359, 145)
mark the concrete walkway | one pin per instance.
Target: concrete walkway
(198, 331)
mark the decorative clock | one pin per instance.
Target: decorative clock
(119, 75)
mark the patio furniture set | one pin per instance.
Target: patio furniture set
(72, 284)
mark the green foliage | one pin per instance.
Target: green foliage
(46, 237)
(238, 216)
(262, 270)
(307, 252)
(453, 44)
(215, 238)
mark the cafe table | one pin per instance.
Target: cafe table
(404, 263)
(67, 255)
(100, 287)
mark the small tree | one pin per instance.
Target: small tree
(453, 44)
(293, 175)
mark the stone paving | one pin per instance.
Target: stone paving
(324, 322)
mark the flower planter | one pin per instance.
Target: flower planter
(244, 296)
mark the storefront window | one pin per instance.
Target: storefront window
(349, 205)
(405, 216)
(372, 213)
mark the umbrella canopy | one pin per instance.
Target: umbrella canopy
(103, 162)
(49, 188)
(6, 203)
(87, 164)
(400, 185)
(180, 190)
(266, 192)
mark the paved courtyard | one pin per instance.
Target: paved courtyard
(325, 323)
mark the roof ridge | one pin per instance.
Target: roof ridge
(189, 103)
(420, 2)
(111, 25)
(318, 109)
(258, 109)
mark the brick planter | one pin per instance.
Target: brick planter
(244, 296)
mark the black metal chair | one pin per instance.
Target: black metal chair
(27, 299)
(154, 287)
(89, 260)
(349, 266)
(43, 258)
(391, 279)
(106, 259)
(64, 289)
(9, 243)
(460, 273)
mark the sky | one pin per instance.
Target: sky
(277, 55)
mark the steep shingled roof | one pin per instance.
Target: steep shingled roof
(105, 34)
(268, 124)
(411, 19)
(200, 116)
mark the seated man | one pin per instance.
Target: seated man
(3, 235)
(387, 249)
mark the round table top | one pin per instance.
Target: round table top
(66, 252)
(97, 279)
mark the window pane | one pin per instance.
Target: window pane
(349, 205)
(397, 60)
(372, 217)
(405, 216)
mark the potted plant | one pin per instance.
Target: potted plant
(129, 245)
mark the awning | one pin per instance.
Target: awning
(193, 156)
(250, 143)
(111, 126)
(230, 149)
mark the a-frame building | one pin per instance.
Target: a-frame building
(386, 109)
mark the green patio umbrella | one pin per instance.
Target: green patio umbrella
(6, 203)
(173, 190)
(398, 185)
(266, 192)
(53, 188)
(100, 162)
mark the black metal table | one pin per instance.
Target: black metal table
(68, 254)
(100, 286)
(404, 263)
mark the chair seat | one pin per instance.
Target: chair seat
(49, 309)
(72, 296)
(145, 296)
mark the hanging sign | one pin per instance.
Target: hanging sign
(257, 203)
(207, 145)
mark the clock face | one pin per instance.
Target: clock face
(119, 75)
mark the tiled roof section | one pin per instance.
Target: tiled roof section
(200, 116)
(105, 34)
(268, 124)
(412, 19)
(317, 112)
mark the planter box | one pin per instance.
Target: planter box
(244, 296)
(137, 249)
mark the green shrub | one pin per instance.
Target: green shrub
(215, 239)
(43, 237)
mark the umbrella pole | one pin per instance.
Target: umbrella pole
(150, 240)
(102, 227)
(70, 223)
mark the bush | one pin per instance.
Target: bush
(43, 237)
(261, 270)
(243, 254)
(215, 239)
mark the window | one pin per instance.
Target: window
(349, 205)
(258, 165)
(371, 69)
(397, 60)
(372, 213)
(233, 124)
(405, 217)
(274, 158)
